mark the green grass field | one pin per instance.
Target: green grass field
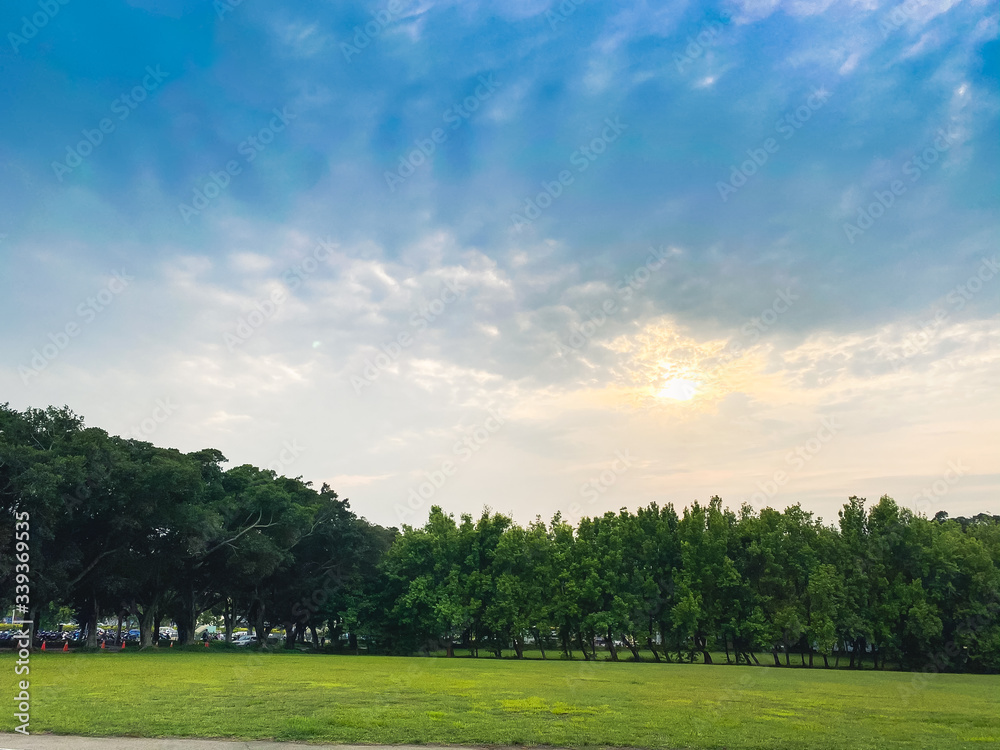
(218, 693)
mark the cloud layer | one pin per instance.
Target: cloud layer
(354, 241)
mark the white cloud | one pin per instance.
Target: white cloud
(850, 64)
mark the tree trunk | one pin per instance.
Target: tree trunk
(518, 647)
(663, 639)
(611, 646)
(187, 622)
(539, 641)
(633, 646)
(725, 643)
(260, 630)
(118, 635)
(450, 647)
(315, 635)
(774, 653)
(145, 617)
(826, 662)
(92, 626)
(656, 654)
(703, 643)
(185, 634)
(666, 649)
(229, 618)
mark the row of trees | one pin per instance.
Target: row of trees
(120, 526)
(908, 590)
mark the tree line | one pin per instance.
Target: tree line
(120, 526)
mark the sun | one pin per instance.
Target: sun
(662, 365)
(679, 389)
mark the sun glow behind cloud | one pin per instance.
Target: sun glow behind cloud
(679, 389)
(663, 365)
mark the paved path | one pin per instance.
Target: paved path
(61, 742)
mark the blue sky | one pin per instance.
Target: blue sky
(787, 211)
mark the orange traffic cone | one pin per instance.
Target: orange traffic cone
(66, 646)
(123, 645)
(102, 644)
(171, 644)
(43, 645)
(206, 644)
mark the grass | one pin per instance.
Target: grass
(221, 693)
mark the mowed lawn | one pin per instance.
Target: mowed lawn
(205, 693)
